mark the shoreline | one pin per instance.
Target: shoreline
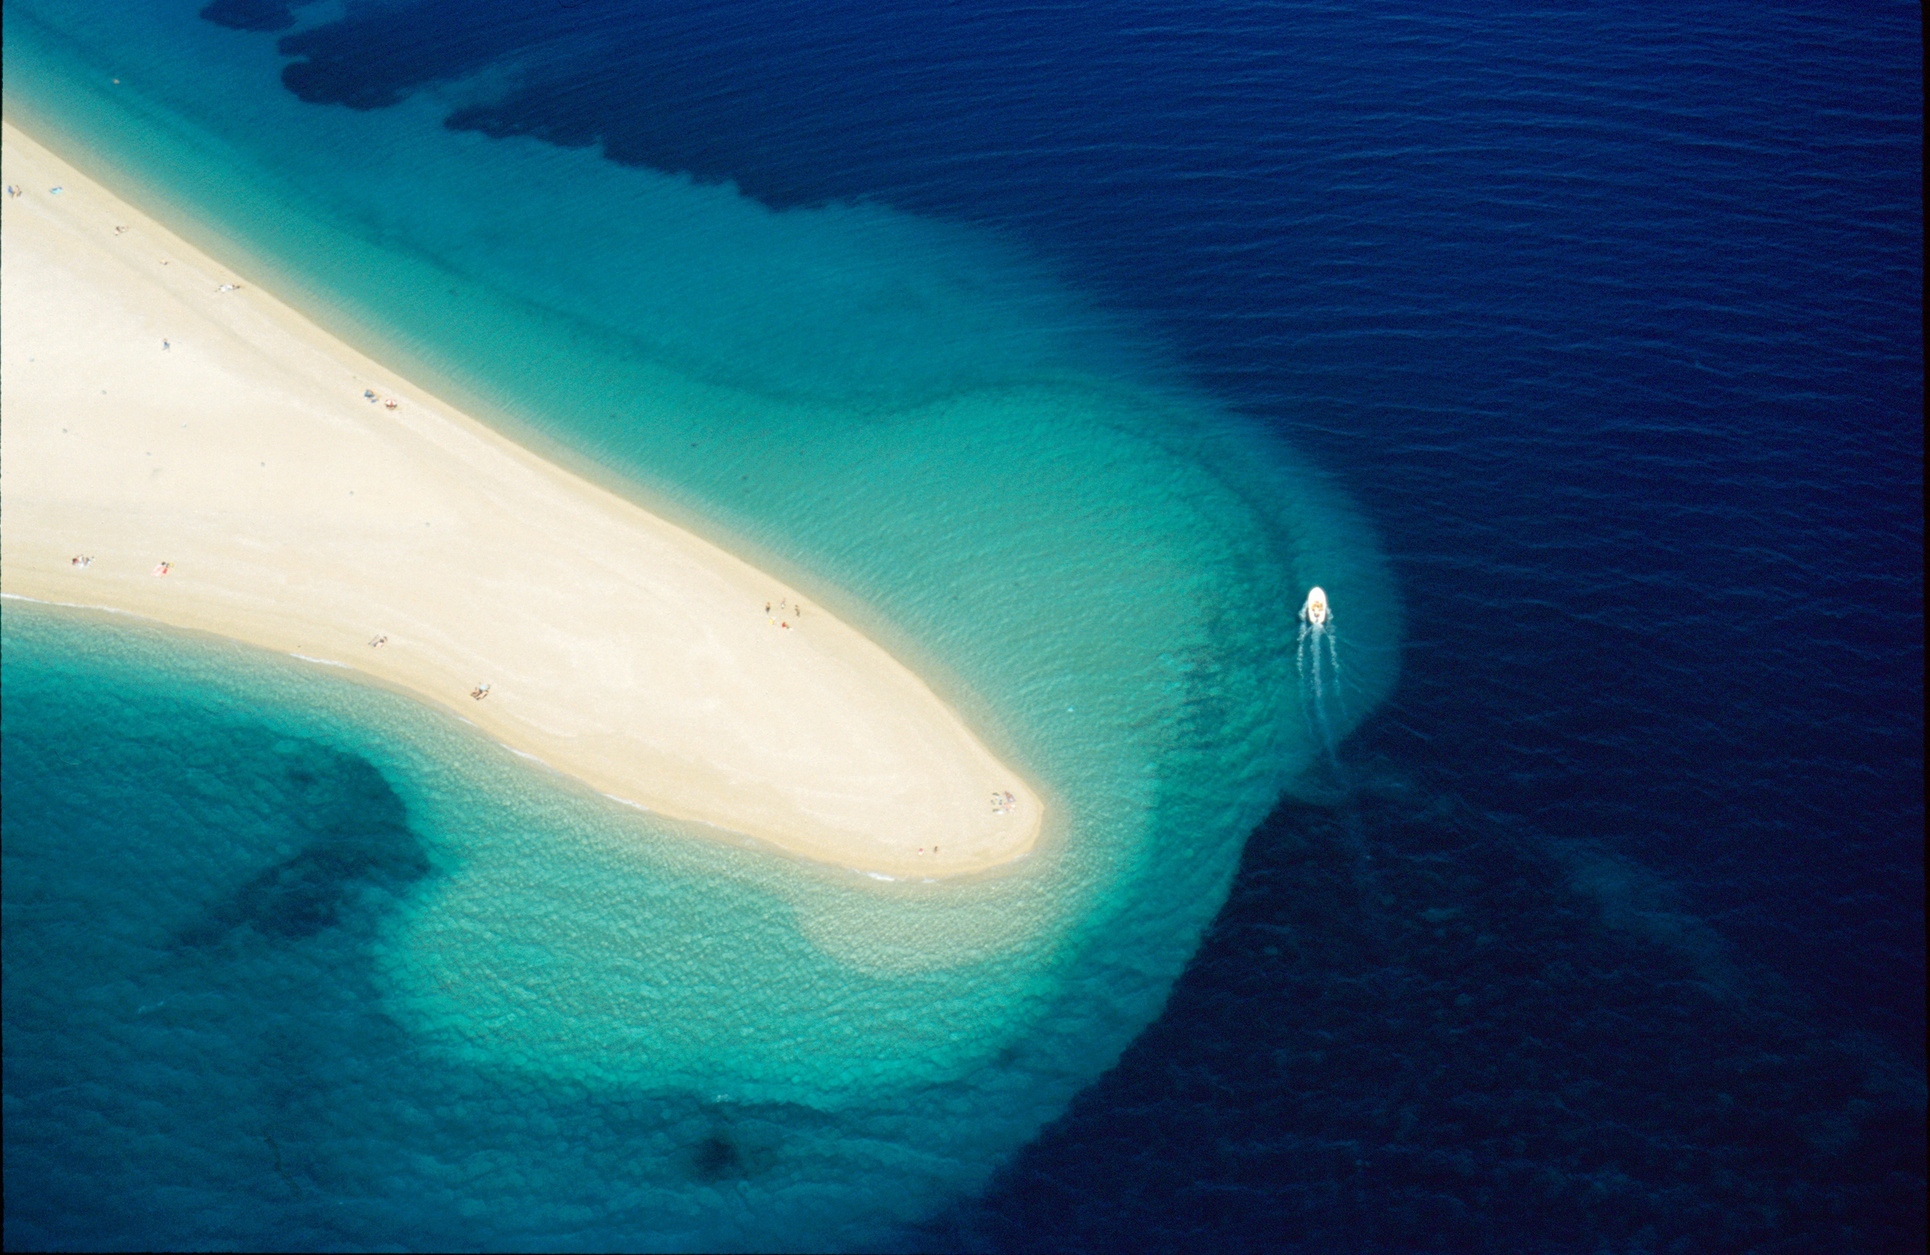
(224, 465)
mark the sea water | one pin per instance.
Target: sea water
(301, 963)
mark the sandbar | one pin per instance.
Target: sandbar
(178, 444)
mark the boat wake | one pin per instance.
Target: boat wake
(1317, 659)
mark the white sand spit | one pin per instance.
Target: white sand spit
(214, 454)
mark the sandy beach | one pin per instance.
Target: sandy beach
(220, 463)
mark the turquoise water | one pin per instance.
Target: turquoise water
(303, 963)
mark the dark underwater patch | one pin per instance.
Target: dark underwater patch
(1415, 1027)
(253, 15)
(717, 1157)
(354, 849)
(743, 92)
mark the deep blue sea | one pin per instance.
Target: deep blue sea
(1602, 931)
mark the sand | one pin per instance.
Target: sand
(151, 413)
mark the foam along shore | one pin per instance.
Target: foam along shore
(180, 445)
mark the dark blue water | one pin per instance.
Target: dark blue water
(1611, 935)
